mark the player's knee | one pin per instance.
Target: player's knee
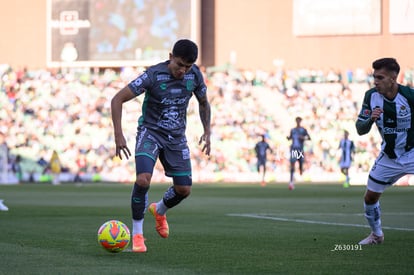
(183, 191)
(175, 194)
(371, 197)
(143, 179)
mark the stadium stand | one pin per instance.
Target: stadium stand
(68, 111)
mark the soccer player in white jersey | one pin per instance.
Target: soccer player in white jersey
(347, 149)
(168, 88)
(390, 106)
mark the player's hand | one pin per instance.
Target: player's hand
(206, 139)
(376, 113)
(121, 147)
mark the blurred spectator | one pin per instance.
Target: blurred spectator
(44, 110)
(55, 168)
(16, 167)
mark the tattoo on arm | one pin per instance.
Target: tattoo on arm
(205, 114)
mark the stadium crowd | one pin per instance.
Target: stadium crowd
(68, 110)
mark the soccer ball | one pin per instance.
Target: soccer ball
(114, 236)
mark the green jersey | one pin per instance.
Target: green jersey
(164, 108)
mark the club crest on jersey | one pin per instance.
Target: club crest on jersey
(190, 85)
(403, 111)
(163, 86)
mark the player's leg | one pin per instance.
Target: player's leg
(301, 161)
(373, 216)
(382, 175)
(262, 171)
(344, 171)
(344, 164)
(146, 154)
(175, 159)
(172, 197)
(292, 173)
(139, 201)
(180, 190)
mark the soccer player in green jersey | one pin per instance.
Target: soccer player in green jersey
(168, 88)
(390, 106)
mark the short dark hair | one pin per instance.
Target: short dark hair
(388, 63)
(185, 49)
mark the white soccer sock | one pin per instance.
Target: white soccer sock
(373, 216)
(161, 207)
(137, 226)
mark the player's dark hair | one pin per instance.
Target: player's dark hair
(388, 63)
(185, 49)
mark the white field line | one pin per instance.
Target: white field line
(266, 217)
(344, 214)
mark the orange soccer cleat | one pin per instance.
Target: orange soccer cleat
(161, 224)
(138, 243)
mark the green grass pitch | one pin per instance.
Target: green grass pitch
(220, 229)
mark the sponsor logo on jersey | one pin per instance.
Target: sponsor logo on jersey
(163, 77)
(365, 112)
(175, 91)
(174, 101)
(140, 79)
(388, 131)
(189, 77)
(404, 120)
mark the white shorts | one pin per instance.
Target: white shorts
(345, 163)
(386, 171)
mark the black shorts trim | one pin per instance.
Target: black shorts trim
(379, 181)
